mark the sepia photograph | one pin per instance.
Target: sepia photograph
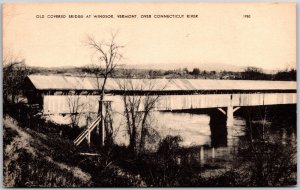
(144, 94)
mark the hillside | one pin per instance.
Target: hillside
(28, 161)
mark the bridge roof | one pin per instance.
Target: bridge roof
(61, 82)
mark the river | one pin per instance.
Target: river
(213, 141)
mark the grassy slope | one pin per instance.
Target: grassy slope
(28, 160)
(43, 158)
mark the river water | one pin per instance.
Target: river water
(195, 129)
(213, 140)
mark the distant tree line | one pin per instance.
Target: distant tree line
(253, 73)
(249, 73)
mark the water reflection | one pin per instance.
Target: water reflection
(218, 130)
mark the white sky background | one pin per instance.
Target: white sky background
(220, 34)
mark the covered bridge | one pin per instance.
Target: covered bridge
(51, 91)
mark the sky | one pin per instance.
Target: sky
(239, 34)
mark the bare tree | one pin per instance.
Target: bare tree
(14, 73)
(108, 56)
(148, 105)
(137, 110)
(75, 107)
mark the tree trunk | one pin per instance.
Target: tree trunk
(101, 113)
(143, 132)
(132, 144)
(108, 124)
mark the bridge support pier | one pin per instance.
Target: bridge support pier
(229, 114)
(229, 121)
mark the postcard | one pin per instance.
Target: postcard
(149, 94)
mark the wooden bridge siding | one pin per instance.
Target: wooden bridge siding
(224, 100)
(57, 104)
